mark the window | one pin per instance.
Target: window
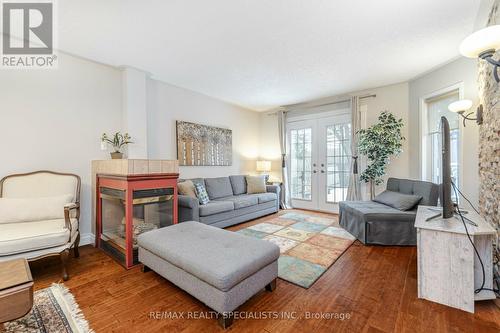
(436, 107)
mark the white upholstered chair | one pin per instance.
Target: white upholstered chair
(39, 213)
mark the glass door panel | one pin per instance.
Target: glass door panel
(301, 166)
(338, 157)
(301, 147)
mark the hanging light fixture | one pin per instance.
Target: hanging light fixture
(483, 44)
(463, 105)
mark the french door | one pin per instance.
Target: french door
(319, 162)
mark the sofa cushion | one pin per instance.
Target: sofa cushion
(427, 190)
(215, 207)
(219, 257)
(14, 210)
(371, 211)
(31, 236)
(398, 200)
(240, 215)
(256, 184)
(197, 181)
(265, 197)
(239, 184)
(218, 187)
(242, 201)
(201, 194)
(186, 188)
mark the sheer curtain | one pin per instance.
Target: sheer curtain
(354, 188)
(285, 193)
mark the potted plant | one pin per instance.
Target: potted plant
(378, 143)
(117, 141)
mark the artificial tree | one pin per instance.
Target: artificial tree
(378, 143)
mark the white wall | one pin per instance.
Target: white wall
(393, 98)
(134, 111)
(167, 103)
(269, 144)
(53, 119)
(462, 70)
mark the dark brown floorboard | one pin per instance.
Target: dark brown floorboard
(376, 286)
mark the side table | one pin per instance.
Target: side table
(16, 289)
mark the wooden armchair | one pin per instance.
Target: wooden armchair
(39, 216)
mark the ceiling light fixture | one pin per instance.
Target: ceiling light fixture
(483, 44)
(463, 105)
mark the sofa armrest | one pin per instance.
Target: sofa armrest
(273, 189)
(189, 208)
(188, 202)
(68, 208)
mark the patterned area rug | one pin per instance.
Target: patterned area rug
(309, 245)
(54, 310)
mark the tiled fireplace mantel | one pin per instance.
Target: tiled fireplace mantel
(127, 167)
(134, 167)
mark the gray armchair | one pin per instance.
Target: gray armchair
(379, 224)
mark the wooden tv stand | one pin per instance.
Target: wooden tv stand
(448, 269)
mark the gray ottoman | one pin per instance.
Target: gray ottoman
(223, 269)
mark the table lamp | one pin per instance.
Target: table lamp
(263, 167)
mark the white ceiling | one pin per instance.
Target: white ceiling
(265, 53)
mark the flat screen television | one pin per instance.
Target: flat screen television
(446, 202)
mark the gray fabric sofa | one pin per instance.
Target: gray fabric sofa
(375, 223)
(229, 204)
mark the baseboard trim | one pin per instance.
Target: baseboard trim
(86, 239)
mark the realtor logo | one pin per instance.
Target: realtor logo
(28, 35)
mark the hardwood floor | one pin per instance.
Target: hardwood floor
(376, 286)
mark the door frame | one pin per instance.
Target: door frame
(312, 120)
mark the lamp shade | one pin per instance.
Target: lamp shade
(481, 41)
(460, 106)
(263, 166)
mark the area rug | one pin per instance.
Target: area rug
(54, 310)
(309, 244)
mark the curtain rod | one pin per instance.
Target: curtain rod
(333, 103)
(342, 101)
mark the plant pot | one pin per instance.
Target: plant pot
(116, 155)
(372, 189)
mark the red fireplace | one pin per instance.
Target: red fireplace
(130, 205)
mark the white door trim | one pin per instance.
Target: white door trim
(318, 125)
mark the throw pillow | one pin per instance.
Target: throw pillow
(14, 210)
(201, 193)
(256, 184)
(398, 200)
(186, 188)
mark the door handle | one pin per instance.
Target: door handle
(314, 171)
(322, 171)
(322, 165)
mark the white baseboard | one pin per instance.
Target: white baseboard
(86, 239)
